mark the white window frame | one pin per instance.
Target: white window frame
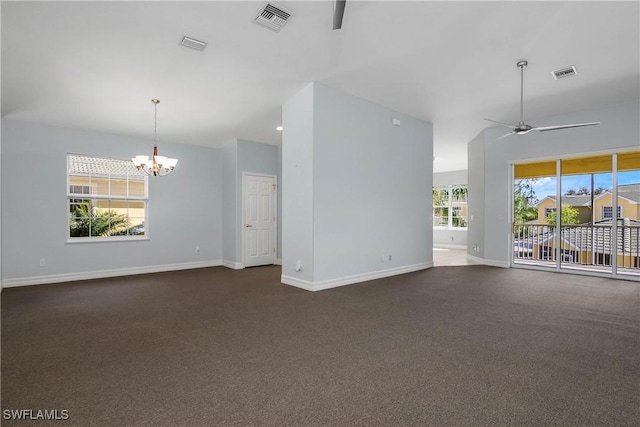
(450, 207)
(95, 197)
(604, 217)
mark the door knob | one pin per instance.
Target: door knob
(248, 225)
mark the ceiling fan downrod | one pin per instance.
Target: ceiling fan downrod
(522, 64)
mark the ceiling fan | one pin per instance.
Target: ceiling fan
(522, 127)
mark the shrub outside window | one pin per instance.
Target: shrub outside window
(107, 199)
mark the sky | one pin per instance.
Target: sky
(547, 186)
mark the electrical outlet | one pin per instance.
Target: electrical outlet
(383, 258)
(43, 262)
(197, 249)
(390, 257)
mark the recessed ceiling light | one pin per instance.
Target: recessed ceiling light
(279, 128)
(193, 43)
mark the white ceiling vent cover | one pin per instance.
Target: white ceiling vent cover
(564, 72)
(193, 43)
(273, 16)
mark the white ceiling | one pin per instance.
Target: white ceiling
(96, 65)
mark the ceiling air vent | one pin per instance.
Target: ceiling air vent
(564, 72)
(273, 16)
(193, 43)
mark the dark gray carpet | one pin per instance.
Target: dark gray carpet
(469, 345)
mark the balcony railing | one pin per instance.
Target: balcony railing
(581, 246)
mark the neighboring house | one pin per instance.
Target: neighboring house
(582, 203)
(628, 203)
(588, 244)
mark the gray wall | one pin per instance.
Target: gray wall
(297, 184)
(356, 188)
(279, 160)
(229, 202)
(184, 208)
(450, 178)
(475, 174)
(619, 129)
(450, 237)
(242, 156)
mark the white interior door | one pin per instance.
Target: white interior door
(259, 220)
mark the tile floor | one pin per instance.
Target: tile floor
(442, 257)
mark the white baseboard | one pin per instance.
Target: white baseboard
(490, 262)
(348, 280)
(232, 265)
(444, 246)
(298, 283)
(278, 262)
(86, 275)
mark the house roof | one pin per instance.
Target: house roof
(102, 167)
(574, 201)
(630, 192)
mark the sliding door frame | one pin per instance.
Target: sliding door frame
(558, 249)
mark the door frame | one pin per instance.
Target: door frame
(275, 213)
(614, 199)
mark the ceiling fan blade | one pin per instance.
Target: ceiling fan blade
(577, 125)
(501, 124)
(506, 135)
(338, 13)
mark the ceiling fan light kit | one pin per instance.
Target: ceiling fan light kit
(523, 128)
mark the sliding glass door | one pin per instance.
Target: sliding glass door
(628, 210)
(578, 214)
(534, 203)
(585, 237)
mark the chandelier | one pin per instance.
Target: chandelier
(156, 165)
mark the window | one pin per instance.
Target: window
(450, 206)
(607, 212)
(77, 203)
(548, 211)
(107, 198)
(440, 206)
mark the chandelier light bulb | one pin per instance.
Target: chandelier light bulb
(156, 165)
